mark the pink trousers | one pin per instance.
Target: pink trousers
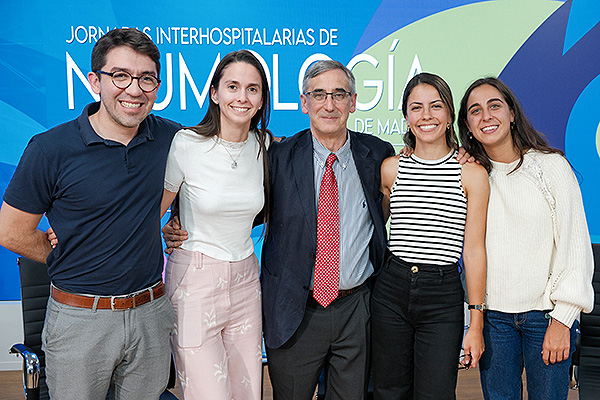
(216, 343)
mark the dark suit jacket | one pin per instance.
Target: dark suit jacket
(288, 255)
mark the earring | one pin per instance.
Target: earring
(448, 126)
(512, 126)
(470, 136)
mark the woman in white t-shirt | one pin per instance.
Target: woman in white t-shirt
(219, 170)
(539, 257)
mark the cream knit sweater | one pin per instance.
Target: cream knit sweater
(539, 255)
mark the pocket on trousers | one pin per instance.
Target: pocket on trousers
(49, 323)
(60, 323)
(189, 326)
(190, 321)
(174, 274)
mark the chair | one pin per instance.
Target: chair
(35, 290)
(589, 356)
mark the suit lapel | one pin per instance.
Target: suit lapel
(303, 171)
(365, 165)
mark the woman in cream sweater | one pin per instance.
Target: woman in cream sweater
(539, 256)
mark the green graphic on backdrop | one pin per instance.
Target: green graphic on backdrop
(461, 45)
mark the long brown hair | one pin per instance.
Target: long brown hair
(523, 134)
(211, 123)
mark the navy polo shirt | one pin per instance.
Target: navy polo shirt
(102, 199)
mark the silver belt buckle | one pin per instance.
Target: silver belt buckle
(113, 298)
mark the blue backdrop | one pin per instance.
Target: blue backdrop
(547, 51)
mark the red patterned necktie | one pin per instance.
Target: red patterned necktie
(326, 283)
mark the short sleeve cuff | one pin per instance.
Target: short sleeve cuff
(171, 188)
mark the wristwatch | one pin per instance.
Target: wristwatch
(481, 307)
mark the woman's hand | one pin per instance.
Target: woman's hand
(463, 157)
(557, 343)
(474, 346)
(52, 237)
(406, 151)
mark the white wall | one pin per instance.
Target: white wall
(11, 332)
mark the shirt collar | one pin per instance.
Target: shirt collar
(321, 152)
(90, 136)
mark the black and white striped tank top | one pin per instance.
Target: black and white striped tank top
(428, 209)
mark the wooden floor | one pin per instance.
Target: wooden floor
(11, 387)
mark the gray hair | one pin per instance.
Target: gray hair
(327, 65)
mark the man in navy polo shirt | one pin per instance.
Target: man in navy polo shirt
(99, 179)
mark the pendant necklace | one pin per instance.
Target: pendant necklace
(226, 144)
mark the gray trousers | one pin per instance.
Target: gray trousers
(88, 351)
(337, 338)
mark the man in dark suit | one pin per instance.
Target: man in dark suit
(304, 330)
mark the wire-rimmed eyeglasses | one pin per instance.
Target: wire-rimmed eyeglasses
(122, 80)
(319, 96)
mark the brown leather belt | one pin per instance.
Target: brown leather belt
(114, 303)
(345, 292)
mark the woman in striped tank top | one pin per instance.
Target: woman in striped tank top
(438, 212)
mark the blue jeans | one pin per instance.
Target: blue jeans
(514, 342)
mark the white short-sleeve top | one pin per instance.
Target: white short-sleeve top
(217, 203)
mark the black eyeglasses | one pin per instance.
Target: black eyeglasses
(319, 96)
(122, 79)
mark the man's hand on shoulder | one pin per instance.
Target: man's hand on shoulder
(406, 151)
(173, 235)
